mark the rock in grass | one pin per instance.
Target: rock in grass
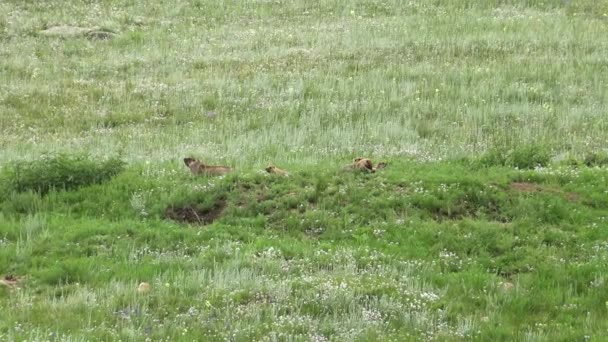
(100, 35)
(506, 286)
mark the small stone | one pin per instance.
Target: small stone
(139, 21)
(506, 286)
(143, 287)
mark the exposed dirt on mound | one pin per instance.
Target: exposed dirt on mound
(66, 31)
(533, 187)
(11, 281)
(525, 187)
(192, 214)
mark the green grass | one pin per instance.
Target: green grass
(490, 222)
(300, 83)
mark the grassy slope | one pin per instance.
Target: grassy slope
(418, 251)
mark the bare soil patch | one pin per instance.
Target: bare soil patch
(11, 281)
(194, 215)
(533, 187)
(525, 187)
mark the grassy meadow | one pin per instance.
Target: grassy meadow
(489, 223)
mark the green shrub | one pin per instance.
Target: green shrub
(27, 202)
(525, 157)
(61, 171)
(529, 157)
(596, 159)
(494, 157)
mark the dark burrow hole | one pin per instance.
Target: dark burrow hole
(194, 215)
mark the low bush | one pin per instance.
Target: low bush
(60, 171)
(525, 157)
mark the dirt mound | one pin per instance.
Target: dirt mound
(11, 281)
(194, 215)
(526, 187)
(66, 31)
(533, 187)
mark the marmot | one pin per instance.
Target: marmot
(276, 170)
(197, 168)
(363, 164)
(381, 165)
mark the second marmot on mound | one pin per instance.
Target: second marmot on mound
(276, 170)
(197, 168)
(365, 164)
(381, 165)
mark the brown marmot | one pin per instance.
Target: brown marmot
(198, 168)
(276, 170)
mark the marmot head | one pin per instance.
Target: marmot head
(363, 163)
(188, 161)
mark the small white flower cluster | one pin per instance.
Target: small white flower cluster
(271, 253)
(419, 188)
(379, 232)
(139, 202)
(372, 316)
(179, 252)
(452, 260)
(561, 171)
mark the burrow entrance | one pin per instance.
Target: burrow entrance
(193, 215)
